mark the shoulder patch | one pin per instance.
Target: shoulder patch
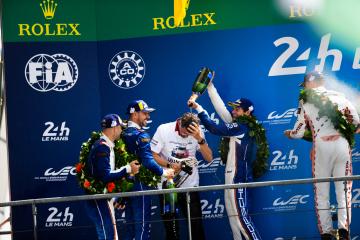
(145, 139)
(232, 125)
(103, 142)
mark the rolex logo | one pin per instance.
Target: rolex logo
(48, 7)
(48, 28)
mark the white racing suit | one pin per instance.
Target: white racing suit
(238, 167)
(330, 156)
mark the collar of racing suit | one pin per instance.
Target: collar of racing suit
(133, 124)
(107, 140)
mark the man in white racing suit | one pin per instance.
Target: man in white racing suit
(330, 154)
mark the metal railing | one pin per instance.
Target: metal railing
(34, 202)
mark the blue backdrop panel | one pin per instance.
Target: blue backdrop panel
(242, 60)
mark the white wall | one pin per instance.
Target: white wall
(4, 179)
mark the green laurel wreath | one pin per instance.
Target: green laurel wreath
(256, 131)
(341, 121)
(122, 158)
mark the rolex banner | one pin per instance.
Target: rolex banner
(68, 63)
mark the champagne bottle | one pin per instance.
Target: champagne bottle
(201, 82)
(170, 199)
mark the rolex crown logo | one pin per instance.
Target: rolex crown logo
(48, 7)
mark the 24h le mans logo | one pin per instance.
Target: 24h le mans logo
(126, 69)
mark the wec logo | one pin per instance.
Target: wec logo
(209, 167)
(285, 117)
(65, 171)
(287, 114)
(52, 175)
(294, 200)
(355, 154)
(57, 72)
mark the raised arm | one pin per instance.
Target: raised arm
(218, 104)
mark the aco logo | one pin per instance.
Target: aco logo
(48, 9)
(127, 69)
(57, 72)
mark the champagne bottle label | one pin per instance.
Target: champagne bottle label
(202, 80)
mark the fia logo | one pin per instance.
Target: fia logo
(294, 200)
(324, 53)
(212, 210)
(283, 161)
(55, 133)
(58, 218)
(57, 72)
(126, 69)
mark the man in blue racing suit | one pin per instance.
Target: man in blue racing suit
(138, 209)
(101, 166)
(239, 159)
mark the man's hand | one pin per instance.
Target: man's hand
(190, 161)
(191, 103)
(135, 166)
(169, 173)
(288, 133)
(194, 131)
(176, 167)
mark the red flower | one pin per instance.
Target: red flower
(79, 167)
(87, 184)
(110, 186)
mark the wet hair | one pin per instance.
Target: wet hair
(187, 118)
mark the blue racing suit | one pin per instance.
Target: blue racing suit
(101, 165)
(138, 209)
(242, 153)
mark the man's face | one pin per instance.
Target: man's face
(143, 117)
(183, 132)
(117, 132)
(238, 111)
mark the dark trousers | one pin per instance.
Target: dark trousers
(138, 215)
(171, 222)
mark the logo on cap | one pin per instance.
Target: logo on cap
(139, 106)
